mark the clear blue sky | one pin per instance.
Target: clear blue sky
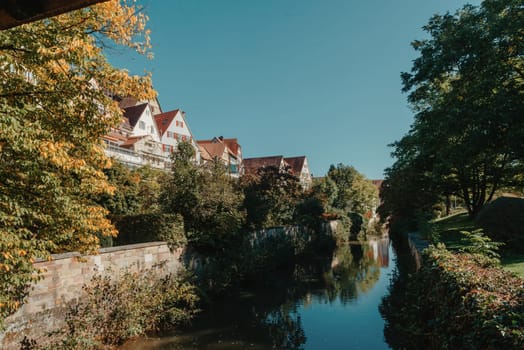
(319, 78)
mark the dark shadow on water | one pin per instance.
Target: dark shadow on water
(268, 314)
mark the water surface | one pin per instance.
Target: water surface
(326, 304)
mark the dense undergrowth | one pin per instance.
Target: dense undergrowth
(455, 301)
(114, 310)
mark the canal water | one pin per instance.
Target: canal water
(327, 304)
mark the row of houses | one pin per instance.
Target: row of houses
(147, 135)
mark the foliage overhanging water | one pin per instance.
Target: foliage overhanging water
(324, 304)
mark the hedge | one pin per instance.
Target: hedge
(455, 303)
(143, 228)
(503, 221)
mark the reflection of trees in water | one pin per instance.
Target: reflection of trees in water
(354, 271)
(285, 328)
(269, 313)
(399, 331)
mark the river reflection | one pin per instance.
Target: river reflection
(325, 304)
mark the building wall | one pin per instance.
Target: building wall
(176, 132)
(149, 126)
(65, 275)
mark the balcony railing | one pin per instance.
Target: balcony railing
(135, 159)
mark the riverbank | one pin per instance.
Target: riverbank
(100, 287)
(321, 303)
(462, 283)
(448, 230)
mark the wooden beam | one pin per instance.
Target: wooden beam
(16, 12)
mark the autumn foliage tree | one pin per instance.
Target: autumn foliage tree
(54, 108)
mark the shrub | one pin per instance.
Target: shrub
(112, 311)
(503, 221)
(454, 303)
(144, 228)
(485, 251)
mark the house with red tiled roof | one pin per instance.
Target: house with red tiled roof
(136, 141)
(228, 151)
(300, 168)
(173, 128)
(377, 183)
(251, 165)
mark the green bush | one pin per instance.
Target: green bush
(455, 303)
(503, 221)
(112, 311)
(144, 228)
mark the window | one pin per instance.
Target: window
(142, 125)
(151, 130)
(183, 137)
(181, 124)
(176, 123)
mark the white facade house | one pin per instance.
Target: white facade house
(136, 142)
(142, 121)
(227, 151)
(147, 135)
(300, 169)
(173, 129)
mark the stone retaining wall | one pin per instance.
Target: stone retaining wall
(62, 283)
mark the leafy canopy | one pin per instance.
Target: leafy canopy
(208, 200)
(54, 109)
(466, 88)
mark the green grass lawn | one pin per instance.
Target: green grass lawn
(448, 232)
(514, 263)
(448, 229)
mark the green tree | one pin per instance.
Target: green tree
(467, 91)
(207, 198)
(355, 193)
(271, 197)
(53, 112)
(124, 199)
(326, 191)
(408, 190)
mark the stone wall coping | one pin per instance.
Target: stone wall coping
(107, 250)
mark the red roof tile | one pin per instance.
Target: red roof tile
(233, 145)
(251, 165)
(131, 141)
(377, 183)
(163, 120)
(204, 154)
(296, 163)
(214, 149)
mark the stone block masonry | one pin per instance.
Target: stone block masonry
(63, 278)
